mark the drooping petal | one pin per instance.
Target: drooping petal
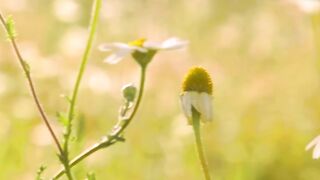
(202, 102)
(206, 107)
(186, 106)
(117, 56)
(314, 142)
(196, 100)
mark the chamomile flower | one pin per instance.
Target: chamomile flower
(197, 94)
(316, 144)
(120, 50)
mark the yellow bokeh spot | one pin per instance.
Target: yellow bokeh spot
(199, 80)
(138, 42)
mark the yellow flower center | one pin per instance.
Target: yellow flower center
(138, 42)
(199, 80)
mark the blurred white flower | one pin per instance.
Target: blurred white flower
(316, 144)
(73, 41)
(120, 50)
(98, 81)
(40, 135)
(197, 90)
(308, 6)
(66, 10)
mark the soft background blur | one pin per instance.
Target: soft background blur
(262, 57)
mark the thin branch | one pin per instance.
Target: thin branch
(113, 137)
(197, 134)
(31, 84)
(92, 31)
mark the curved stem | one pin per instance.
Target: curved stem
(26, 70)
(115, 133)
(197, 134)
(92, 31)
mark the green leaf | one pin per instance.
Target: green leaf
(11, 27)
(62, 118)
(80, 127)
(27, 66)
(66, 97)
(91, 176)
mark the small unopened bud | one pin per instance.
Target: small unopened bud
(129, 92)
(196, 94)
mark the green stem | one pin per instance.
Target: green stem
(197, 134)
(92, 31)
(113, 137)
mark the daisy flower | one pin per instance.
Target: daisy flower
(197, 93)
(120, 50)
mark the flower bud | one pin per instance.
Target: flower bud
(196, 94)
(129, 92)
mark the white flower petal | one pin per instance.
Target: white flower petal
(153, 45)
(314, 142)
(143, 50)
(169, 44)
(316, 151)
(115, 47)
(117, 56)
(196, 100)
(186, 106)
(206, 107)
(202, 102)
(174, 43)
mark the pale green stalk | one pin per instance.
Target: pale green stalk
(114, 136)
(92, 31)
(197, 134)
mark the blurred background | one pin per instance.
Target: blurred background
(262, 56)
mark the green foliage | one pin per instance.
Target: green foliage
(10, 24)
(62, 118)
(266, 106)
(91, 176)
(40, 171)
(27, 66)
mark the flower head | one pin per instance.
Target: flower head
(141, 46)
(316, 144)
(196, 94)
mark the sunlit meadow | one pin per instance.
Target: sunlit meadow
(262, 56)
